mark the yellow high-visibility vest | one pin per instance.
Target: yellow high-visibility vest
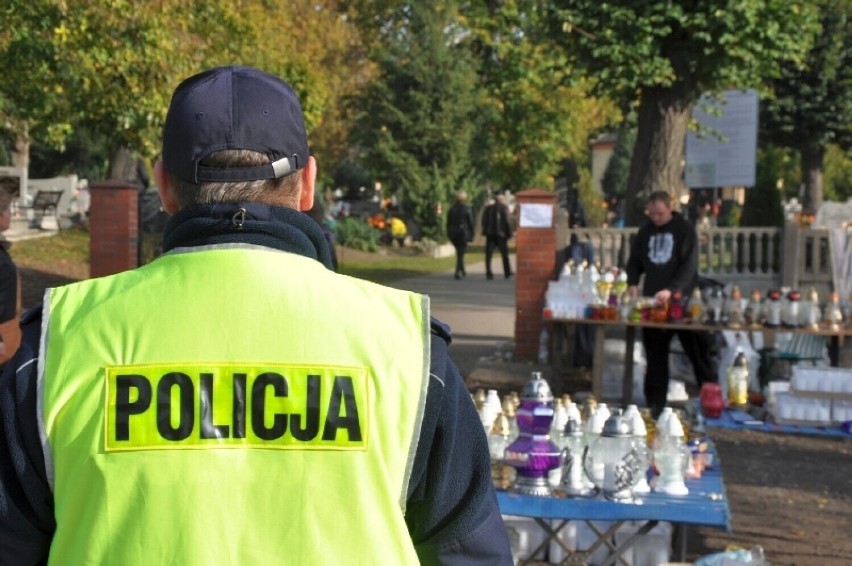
(232, 405)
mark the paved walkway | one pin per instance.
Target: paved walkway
(480, 312)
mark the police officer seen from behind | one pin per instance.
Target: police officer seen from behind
(665, 250)
(232, 402)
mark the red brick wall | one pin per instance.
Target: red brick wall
(113, 227)
(535, 250)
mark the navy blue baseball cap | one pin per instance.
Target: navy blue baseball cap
(234, 108)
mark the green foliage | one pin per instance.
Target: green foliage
(386, 269)
(838, 174)
(116, 52)
(779, 167)
(810, 104)
(592, 201)
(532, 121)
(730, 216)
(5, 158)
(357, 234)
(666, 54)
(707, 46)
(762, 205)
(350, 176)
(614, 181)
(416, 120)
(31, 94)
(83, 154)
(110, 66)
(71, 245)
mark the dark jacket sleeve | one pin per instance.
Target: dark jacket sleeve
(8, 287)
(26, 501)
(468, 221)
(488, 220)
(452, 513)
(687, 261)
(634, 262)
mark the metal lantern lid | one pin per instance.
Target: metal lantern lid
(537, 389)
(573, 427)
(616, 426)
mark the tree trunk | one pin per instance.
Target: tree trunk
(812, 174)
(657, 162)
(21, 147)
(125, 165)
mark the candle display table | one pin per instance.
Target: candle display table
(563, 328)
(705, 505)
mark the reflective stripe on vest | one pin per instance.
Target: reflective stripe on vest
(232, 405)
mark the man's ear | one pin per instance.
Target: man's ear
(309, 178)
(164, 187)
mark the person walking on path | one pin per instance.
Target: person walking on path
(665, 250)
(217, 405)
(460, 230)
(497, 227)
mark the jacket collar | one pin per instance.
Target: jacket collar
(247, 222)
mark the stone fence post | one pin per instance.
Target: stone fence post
(791, 250)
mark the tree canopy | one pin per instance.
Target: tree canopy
(664, 55)
(535, 116)
(431, 97)
(416, 120)
(111, 66)
(31, 91)
(810, 105)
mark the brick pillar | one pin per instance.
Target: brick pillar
(113, 228)
(535, 249)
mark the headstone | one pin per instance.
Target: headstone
(834, 214)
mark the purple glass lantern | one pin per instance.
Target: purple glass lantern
(533, 453)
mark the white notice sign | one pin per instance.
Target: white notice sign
(536, 216)
(727, 162)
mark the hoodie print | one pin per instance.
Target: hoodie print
(660, 248)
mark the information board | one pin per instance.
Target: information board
(729, 160)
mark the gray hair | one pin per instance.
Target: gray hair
(279, 192)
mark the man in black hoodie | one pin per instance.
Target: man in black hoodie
(666, 251)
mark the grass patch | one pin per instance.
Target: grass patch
(71, 245)
(392, 269)
(70, 248)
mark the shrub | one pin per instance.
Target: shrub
(356, 234)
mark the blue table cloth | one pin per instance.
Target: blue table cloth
(706, 504)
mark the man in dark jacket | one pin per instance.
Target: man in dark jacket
(497, 228)
(460, 230)
(666, 251)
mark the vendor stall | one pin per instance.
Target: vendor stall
(563, 327)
